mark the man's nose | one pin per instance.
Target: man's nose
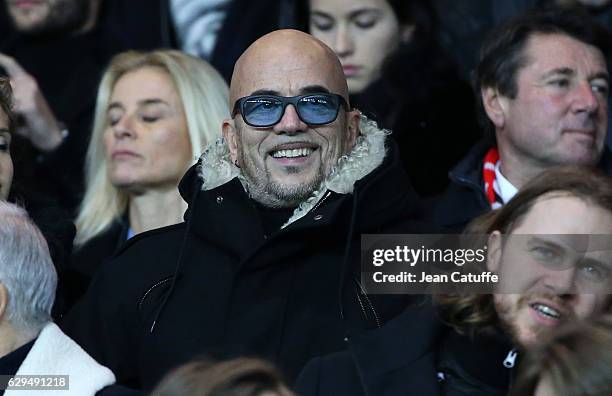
(290, 123)
(585, 100)
(562, 282)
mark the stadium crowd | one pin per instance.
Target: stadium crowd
(187, 189)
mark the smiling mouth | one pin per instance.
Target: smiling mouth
(292, 153)
(546, 311)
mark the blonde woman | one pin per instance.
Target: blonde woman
(154, 114)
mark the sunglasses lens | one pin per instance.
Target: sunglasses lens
(262, 111)
(318, 109)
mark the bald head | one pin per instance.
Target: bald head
(286, 61)
(286, 162)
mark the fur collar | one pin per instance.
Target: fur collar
(54, 353)
(216, 167)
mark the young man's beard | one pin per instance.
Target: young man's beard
(508, 317)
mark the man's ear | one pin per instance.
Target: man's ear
(494, 251)
(353, 120)
(4, 299)
(230, 134)
(495, 106)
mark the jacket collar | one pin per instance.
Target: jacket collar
(485, 360)
(469, 169)
(216, 168)
(605, 164)
(54, 353)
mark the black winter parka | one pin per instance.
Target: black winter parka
(217, 285)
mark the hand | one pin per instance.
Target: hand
(40, 125)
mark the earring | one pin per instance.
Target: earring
(236, 164)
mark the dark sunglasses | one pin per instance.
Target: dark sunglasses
(267, 110)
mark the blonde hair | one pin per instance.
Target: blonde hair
(205, 99)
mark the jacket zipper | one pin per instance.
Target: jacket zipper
(144, 296)
(320, 201)
(363, 293)
(510, 359)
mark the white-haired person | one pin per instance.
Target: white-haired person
(155, 113)
(30, 344)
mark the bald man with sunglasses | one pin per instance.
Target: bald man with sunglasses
(267, 261)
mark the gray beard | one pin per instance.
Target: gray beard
(276, 195)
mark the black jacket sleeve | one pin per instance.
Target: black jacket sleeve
(308, 382)
(331, 375)
(105, 324)
(118, 390)
(399, 358)
(396, 359)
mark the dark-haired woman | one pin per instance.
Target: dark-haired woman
(398, 75)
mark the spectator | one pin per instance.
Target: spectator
(238, 377)
(6, 125)
(538, 110)
(30, 343)
(363, 34)
(547, 278)
(58, 231)
(54, 59)
(155, 113)
(400, 76)
(576, 361)
(599, 9)
(464, 25)
(197, 24)
(220, 30)
(271, 238)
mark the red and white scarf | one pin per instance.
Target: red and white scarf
(488, 174)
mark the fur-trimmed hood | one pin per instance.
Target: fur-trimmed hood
(54, 353)
(216, 168)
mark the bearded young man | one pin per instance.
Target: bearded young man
(550, 247)
(270, 246)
